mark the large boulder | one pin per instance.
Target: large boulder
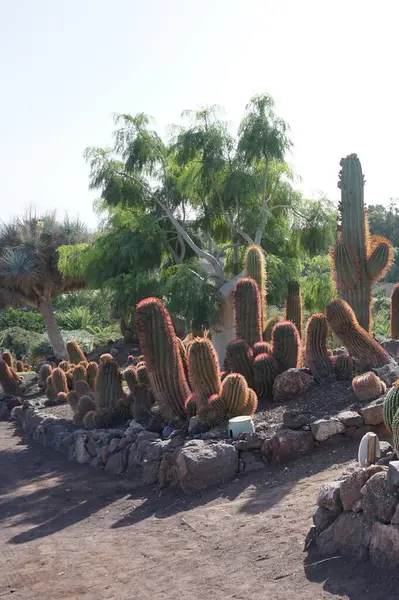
(201, 465)
(350, 418)
(378, 502)
(329, 496)
(295, 419)
(384, 546)
(349, 535)
(323, 518)
(373, 413)
(350, 491)
(323, 429)
(291, 384)
(286, 445)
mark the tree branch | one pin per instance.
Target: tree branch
(294, 210)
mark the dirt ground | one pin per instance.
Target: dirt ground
(67, 531)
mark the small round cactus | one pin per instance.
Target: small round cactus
(368, 386)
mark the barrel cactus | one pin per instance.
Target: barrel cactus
(142, 375)
(64, 365)
(318, 359)
(91, 374)
(58, 381)
(130, 376)
(395, 313)
(98, 419)
(368, 386)
(75, 353)
(191, 406)
(262, 348)
(265, 372)
(358, 258)
(255, 268)
(360, 344)
(269, 326)
(395, 432)
(247, 311)
(252, 403)
(294, 305)
(79, 374)
(391, 405)
(213, 413)
(234, 394)
(8, 382)
(343, 367)
(287, 348)
(165, 369)
(20, 366)
(7, 357)
(45, 371)
(203, 368)
(109, 385)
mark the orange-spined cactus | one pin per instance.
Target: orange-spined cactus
(317, 356)
(247, 311)
(294, 305)
(287, 348)
(203, 368)
(255, 267)
(239, 359)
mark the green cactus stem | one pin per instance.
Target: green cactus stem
(75, 354)
(45, 371)
(109, 385)
(191, 406)
(255, 268)
(79, 374)
(203, 368)
(130, 376)
(287, 349)
(318, 359)
(72, 400)
(395, 432)
(91, 374)
(294, 305)
(142, 375)
(360, 344)
(265, 372)
(395, 313)
(165, 369)
(234, 394)
(98, 419)
(391, 405)
(343, 367)
(239, 359)
(358, 258)
(58, 381)
(252, 403)
(7, 357)
(85, 404)
(247, 311)
(262, 348)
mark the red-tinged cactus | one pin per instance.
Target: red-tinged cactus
(61, 398)
(79, 374)
(69, 378)
(239, 359)
(395, 313)
(343, 367)
(184, 356)
(294, 305)
(255, 268)
(234, 394)
(213, 413)
(109, 385)
(20, 366)
(191, 406)
(91, 373)
(358, 258)
(368, 386)
(247, 311)
(142, 375)
(72, 400)
(45, 371)
(262, 348)
(7, 357)
(58, 381)
(130, 376)
(287, 348)
(318, 359)
(203, 368)
(64, 365)
(223, 375)
(360, 344)
(82, 388)
(75, 354)
(49, 389)
(269, 326)
(106, 357)
(252, 404)
(165, 369)
(8, 382)
(265, 372)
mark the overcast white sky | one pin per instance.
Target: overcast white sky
(67, 65)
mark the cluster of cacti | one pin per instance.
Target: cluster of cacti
(235, 399)
(368, 386)
(75, 354)
(203, 369)
(247, 311)
(358, 258)
(162, 357)
(294, 305)
(287, 348)
(318, 359)
(359, 343)
(11, 385)
(255, 268)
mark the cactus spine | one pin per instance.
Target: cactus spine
(391, 405)
(213, 413)
(109, 385)
(294, 305)
(317, 357)
(395, 313)
(203, 368)
(247, 311)
(265, 371)
(358, 259)
(255, 268)
(162, 357)
(287, 349)
(252, 403)
(234, 394)
(360, 344)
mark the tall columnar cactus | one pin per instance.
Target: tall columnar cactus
(358, 259)
(64, 365)
(287, 349)
(265, 372)
(357, 341)
(294, 305)
(7, 357)
(269, 326)
(343, 367)
(247, 311)
(142, 375)
(130, 376)
(45, 371)
(203, 369)
(239, 359)
(234, 394)
(162, 357)
(368, 386)
(58, 381)
(109, 385)
(262, 348)
(20, 366)
(79, 374)
(91, 373)
(317, 357)
(395, 313)
(183, 356)
(75, 354)
(7, 381)
(255, 267)
(391, 405)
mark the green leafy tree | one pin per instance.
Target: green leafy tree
(29, 275)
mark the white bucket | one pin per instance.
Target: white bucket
(239, 425)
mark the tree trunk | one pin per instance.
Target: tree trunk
(236, 265)
(53, 331)
(224, 331)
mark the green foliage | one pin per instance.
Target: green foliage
(316, 284)
(29, 319)
(20, 341)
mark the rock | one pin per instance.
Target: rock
(167, 431)
(391, 456)
(291, 384)
(350, 431)
(383, 431)
(385, 448)
(323, 518)
(378, 502)
(167, 474)
(114, 352)
(150, 471)
(241, 445)
(251, 462)
(113, 445)
(12, 402)
(4, 412)
(350, 418)
(349, 535)
(155, 450)
(329, 496)
(395, 518)
(134, 428)
(286, 445)
(323, 429)
(388, 373)
(81, 454)
(255, 440)
(216, 433)
(194, 426)
(16, 413)
(373, 413)
(148, 435)
(351, 486)
(360, 432)
(393, 474)
(116, 463)
(310, 540)
(295, 419)
(201, 465)
(384, 546)
(392, 347)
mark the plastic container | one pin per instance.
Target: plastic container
(239, 425)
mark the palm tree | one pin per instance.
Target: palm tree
(28, 266)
